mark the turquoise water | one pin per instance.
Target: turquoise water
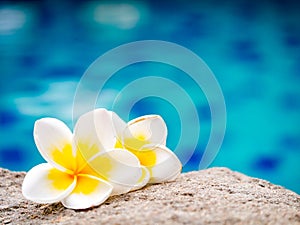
(252, 48)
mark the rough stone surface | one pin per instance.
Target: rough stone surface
(212, 196)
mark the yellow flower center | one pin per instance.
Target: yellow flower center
(65, 157)
(78, 168)
(60, 180)
(147, 157)
(85, 185)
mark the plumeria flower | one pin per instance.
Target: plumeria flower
(83, 169)
(146, 138)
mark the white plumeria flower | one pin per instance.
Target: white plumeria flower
(83, 169)
(146, 138)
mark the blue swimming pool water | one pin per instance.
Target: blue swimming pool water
(252, 48)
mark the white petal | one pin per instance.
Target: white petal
(167, 166)
(45, 184)
(119, 167)
(94, 133)
(145, 130)
(90, 191)
(54, 141)
(144, 179)
(118, 124)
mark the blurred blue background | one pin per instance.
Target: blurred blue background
(252, 47)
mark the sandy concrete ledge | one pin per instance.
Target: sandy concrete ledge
(212, 196)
